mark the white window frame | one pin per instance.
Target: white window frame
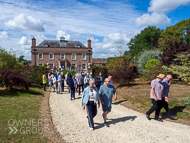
(64, 56)
(40, 63)
(53, 56)
(72, 56)
(82, 56)
(85, 66)
(39, 56)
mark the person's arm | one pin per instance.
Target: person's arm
(166, 86)
(83, 106)
(115, 98)
(155, 97)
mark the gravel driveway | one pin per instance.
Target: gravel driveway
(125, 124)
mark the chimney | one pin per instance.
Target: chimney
(89, 43)
(33, 42)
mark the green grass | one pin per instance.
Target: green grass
(20, 105)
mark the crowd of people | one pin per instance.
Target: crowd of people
(97, 90)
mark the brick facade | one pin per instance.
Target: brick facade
(57, 51)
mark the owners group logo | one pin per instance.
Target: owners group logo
(24, 126)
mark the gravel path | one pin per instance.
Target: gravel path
(126, 125)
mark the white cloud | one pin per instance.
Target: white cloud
(166, 5)
(24, 41)
(39, 39)
(23, 22)
(156, 19)
(4, 35)
(63, 33)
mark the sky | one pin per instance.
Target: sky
(110, 24)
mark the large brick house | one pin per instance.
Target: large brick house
(61, 52)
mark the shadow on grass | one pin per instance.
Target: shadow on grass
(114, 121)
(116, 103)
(174, 111)
(18, 92)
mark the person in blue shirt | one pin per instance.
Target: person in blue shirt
(59, 80)
(101, 77)
(90, 97)
(110, 77)
(72, 87)
(106, 93)
(69, 77)
(167, 82)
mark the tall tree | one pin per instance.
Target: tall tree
(143, 41)
(180, 31)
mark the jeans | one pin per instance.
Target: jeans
(157, 105)
(50, 83)
(79, 87)
(73, 93)
(44, 85)
(59, 86)
(91, 112)
(63, 85)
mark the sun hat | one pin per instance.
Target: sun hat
(161, 76)
(92, 81)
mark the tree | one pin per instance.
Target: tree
(143, 41)
(180, 31)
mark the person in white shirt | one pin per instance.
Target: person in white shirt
(54, 82)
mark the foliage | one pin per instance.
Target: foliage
(152, 72)
(152, 63)
(13, 79)
(145, 57)
(186, 100)
(72, 72)
(124, 76)
(179, 31)
(113, 63)
(143, 41)
(170, 54)
(98, 69)
(180, 66)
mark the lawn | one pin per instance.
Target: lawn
(137, 97)
(21, 106)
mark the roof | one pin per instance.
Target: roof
(61, 43)
(99, 60)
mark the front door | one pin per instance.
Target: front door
(62, 64)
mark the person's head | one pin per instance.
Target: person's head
(80, 73)
(90, 73)
(100, 74)
(57, 73)
(169, 77)
(160, 77)
(87, 74)
(61, 73)
(107, 81)
(48, 74)
(97, 76)
(110, 77)
(69, 74)
(52, 76)
(92, 83)
(73, 77)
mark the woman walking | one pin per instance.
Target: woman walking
(89, 98)
(54, 82)
(49, 81)
(98, 82)
(86, 80)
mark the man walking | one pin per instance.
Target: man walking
(156, 94)
(44, 80)
(106, 93)
(80, 81)
(59, 83)
(72, 87)
(167, 82)
(62, 78)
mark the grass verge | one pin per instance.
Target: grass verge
(21, 106)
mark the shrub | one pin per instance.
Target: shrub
(186, 100)
(14, 79)
(152, 72)
(72, 72)
(124, 76)
(98, 69)
(151, 63)
(145, 57)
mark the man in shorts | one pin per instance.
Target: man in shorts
(106, 93)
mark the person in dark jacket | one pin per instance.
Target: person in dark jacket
(69, 77)
(72, 87)
(98, 82)
(62, 78)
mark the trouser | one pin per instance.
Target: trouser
(91, 112)
(63, 86)
(59, 86)
(165, 105)
(73, 93)
(157, 105)
(50, 83)
(79, 87)
(98, 87)
(44, 85)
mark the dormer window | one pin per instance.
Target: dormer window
(46, 45)
(78, 46)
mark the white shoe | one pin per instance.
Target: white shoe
(91, 129)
